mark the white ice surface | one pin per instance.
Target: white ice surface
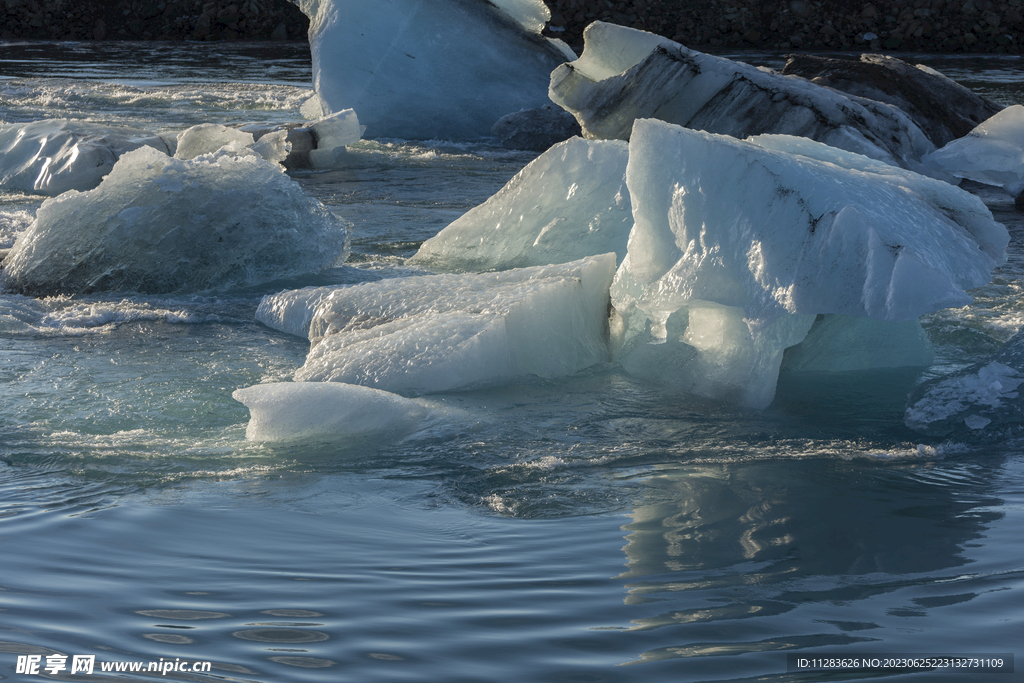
(53, 156)
(209, 138)
(570, 202)
(626, 74)
(445, 69)
(751, 243)
(333, 133)
(302, 411)
(158, 224)
(992, 153)
(429, 334)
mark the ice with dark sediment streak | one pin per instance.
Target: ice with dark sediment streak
(739, 245)
(446, 69)
(992, 153)
(435, 333)
(568, 203)
(980, 403)
(304, 411)
(157, 224)
(626, 74)
(56, 155)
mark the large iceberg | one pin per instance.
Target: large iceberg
(55, 155)
(739, 245)
(568, 203)
(625, 74)
(435, 333)
(302, 411)
(418, 70)
(992, 153)
(158, 224)
(944, 109)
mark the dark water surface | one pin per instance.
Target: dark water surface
(581, 530)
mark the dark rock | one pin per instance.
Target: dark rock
(536, 129)
(942, 108)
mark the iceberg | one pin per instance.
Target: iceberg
(991, 154)
(436, 333)
(568, 203)
(980, 403)
(446, 69)
(845, 343)
(944, 109)
(536, 129)
(304, 411)
(625, 74)
(55, 155)
(739, 245)
(157, 224)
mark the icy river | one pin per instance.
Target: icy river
(586, 529)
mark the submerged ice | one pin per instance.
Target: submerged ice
(157, 224)
(435, 333)
(55, 155)
(739, 245)
(446, 69)
(625, 74)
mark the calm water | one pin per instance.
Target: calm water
(589, 529)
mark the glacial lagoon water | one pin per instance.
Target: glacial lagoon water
(581, 530)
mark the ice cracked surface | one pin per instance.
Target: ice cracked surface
(53, 156)
(302, 411)
(738, 245)
(569, 203)
(625, 74)
(158, 224)
(445, 69)
(992, 153)
(436, 333)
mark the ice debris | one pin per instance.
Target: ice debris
(55, 155)
(304, 411)
(626, 74)
(446, 69)
(980, 403)
(738, 245)
(157, 224)
(992, 153)
(436, 333)
(568, 203)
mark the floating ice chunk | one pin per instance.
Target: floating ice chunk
(982, 394)
(568, 203)
(53, 156)
(841, 343)
(776, 238)
(158, 224)
(331, 135)
(536, 129)
(429, 334)
(207, 138)
(302, 411)
(445, 69)
(625, 74)
(992, 153)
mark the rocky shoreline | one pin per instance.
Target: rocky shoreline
(979, 26)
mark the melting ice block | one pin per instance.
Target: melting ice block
(158, 224)
(53, 156)
(568, 203)
(301, 411)
(992, 153)
(738, 245)
(435, 333)
(980, 403)
(444, 69)
(625, 74)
